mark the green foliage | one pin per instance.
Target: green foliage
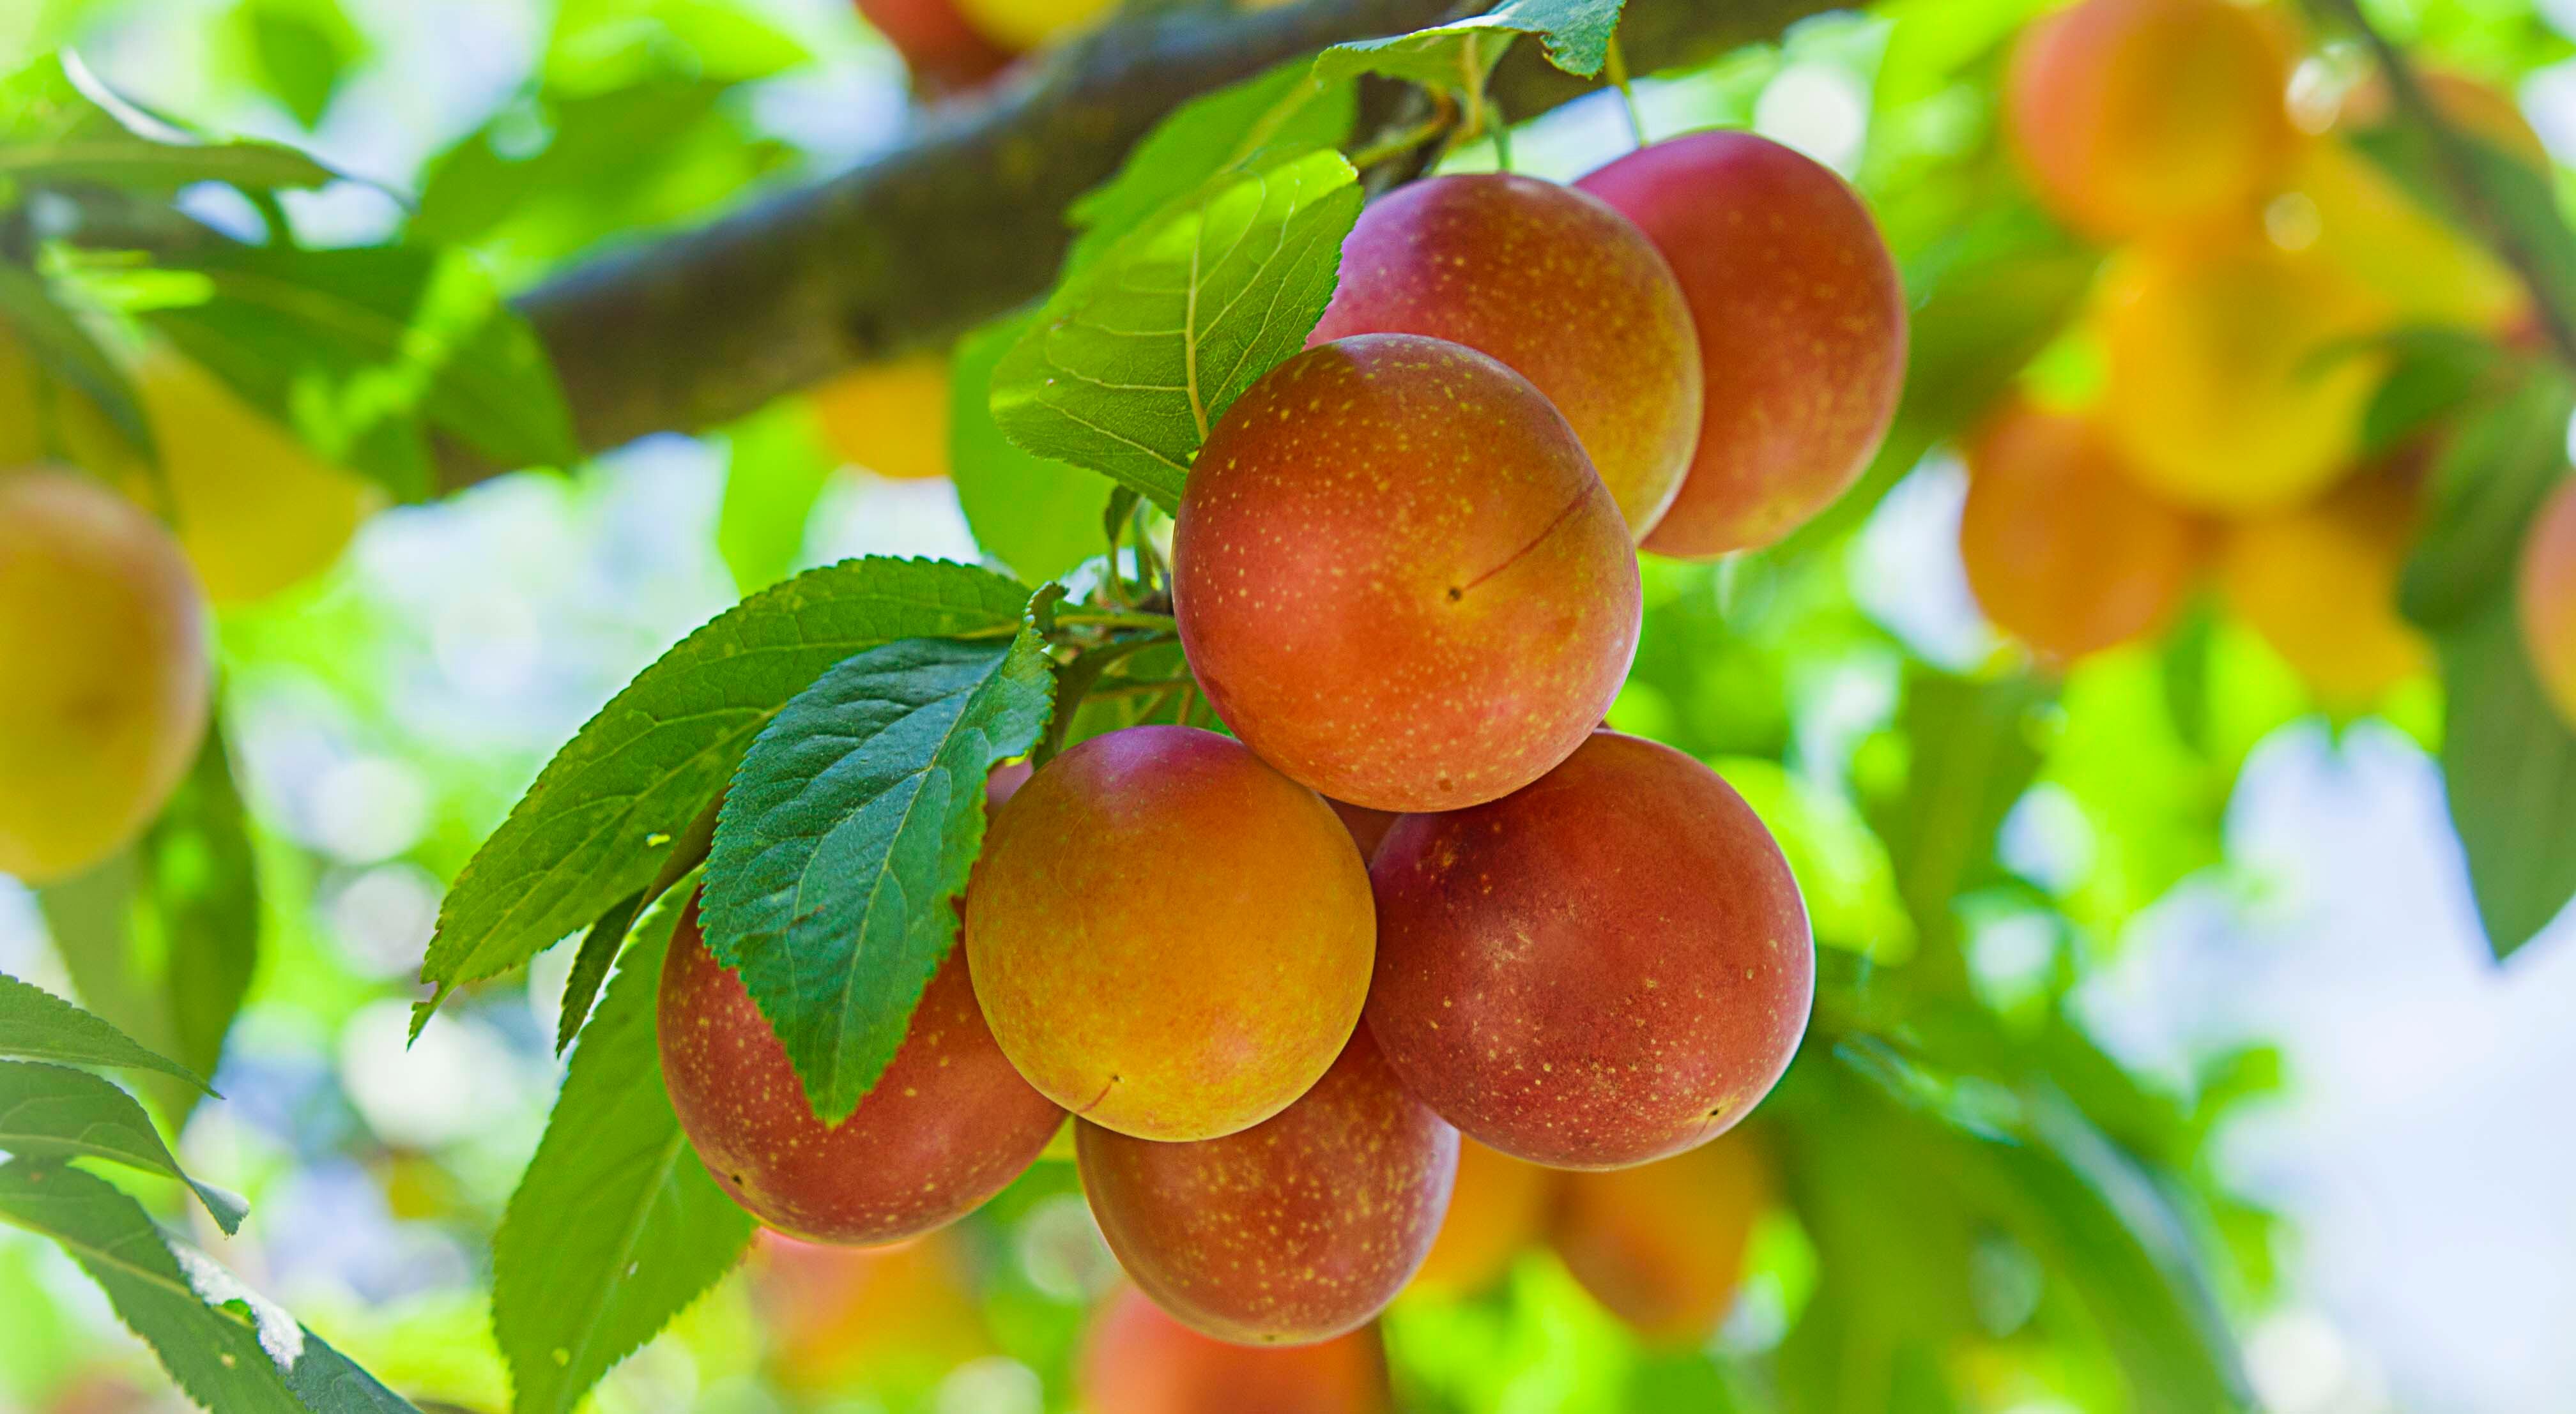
(616, 1226)
(53, 1113)
(1456, 57)
(1037, 516)
(70, 355)
(1974, 753)
(228, 1348)
(301, 49)
(1139, 352)
(349, 347)
(56, 128)
(2508, 760)
(603, 815)
(599, 949)
(847, 837)
(775, 470)
(37, 1025)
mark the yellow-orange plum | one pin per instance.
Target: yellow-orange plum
(1398, 578)
(104, 672)
(1606, 967)
(889, 418)
(1026, 24)
(1169, 938)
(1295, 1230)
(1138, 1360)
(1498, 1206)
(1801, 323)
(2063, 550)
(1564, 290)
(1662, 1245)
(944, 53)
(2546, 596)
(946, 1127)
(2319, 583)
(2132, 116)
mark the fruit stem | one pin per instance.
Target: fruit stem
(1618, 65)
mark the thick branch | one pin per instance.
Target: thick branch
(966, 221)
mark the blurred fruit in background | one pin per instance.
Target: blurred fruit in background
(882, 1321)
(889, 418)
(944, 52)
(1497, 1209)
(2226, 389)
(21, 439)
(1026, 24)
(2547, 597)
(255, 508)
(2360, 221)
(2063, 549)
(104, 636)
(1136, 1360)
(2478, 108)
(2132, 116)
(2319, 583)
(1662, 1245)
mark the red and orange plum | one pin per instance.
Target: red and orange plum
(2063, 549)
(947, 1126)
(943, 51)
(1169, 938)
(1564, 290)
(1609, 966)
(2547, 598)
(1397, 577)
(104, 658)
(1137, 1360)
(1801, 324)
(1498, 1206)
(1296, 1230)
(1662, 1245)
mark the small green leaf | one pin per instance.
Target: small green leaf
(2436, 371)
(51, 1112)
(301, 50)
(848, 835)
(599, 948)
(228, 1348)
(775, 470)
(59, 125)
(1039, 517)
(2484, 490)
(38, 1025)
(199, 879)
(68, 354)
(616, 1226)
(1456, 57)
(356, 348)
(606, 811)
(2509, 770)
(1139, 354)
(1973, 756)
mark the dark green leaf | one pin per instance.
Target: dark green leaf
(1037, 516)
(599, 948)
(52, 1112)
(38, 1025)
(616, 1226)
(1456, 57)
(2509, 770)
(2484, 490)
(848, 835)
(301, 50)
(1139, 353)
(58, 124)
(228, 1348)
(350, 347)
(67, 353)
(2436, 370)
(604, 814)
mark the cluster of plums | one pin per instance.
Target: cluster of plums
(1274, 976)
(2255, 258)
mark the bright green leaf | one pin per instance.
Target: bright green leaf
(52, 1112)
(1456, 57)
(1141, 352)
(64, 348)
(775, 470)
(604, 813)
(848, 835)
(38, 1025)
(1037, 516)
(616, 1226)
(59, 125)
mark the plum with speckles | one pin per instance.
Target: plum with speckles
(1397, 577)
(1564, 290)
(948, 1125)
(1169, 937)
(1801, 329)
(1607, 967)
(1296, 1230)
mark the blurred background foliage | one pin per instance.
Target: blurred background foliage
(2158, 1063)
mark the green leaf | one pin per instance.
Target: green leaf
(2509, 771)
(2436, 370)
(1456, 57)
(301, 49)
(1039, 517)
(1139, 354)
(1236, 129)
(59, 125)
(54, 1113)
(605, 812)
(599, 948)
(775, 470)
(199, 880)
(2484, 490)
(352, 348)
(1972, 757)
(616, 1226)
(847, 837)
(66, 351)
(228, 1348)
(38, 1025)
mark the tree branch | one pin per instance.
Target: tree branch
(964, 222)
